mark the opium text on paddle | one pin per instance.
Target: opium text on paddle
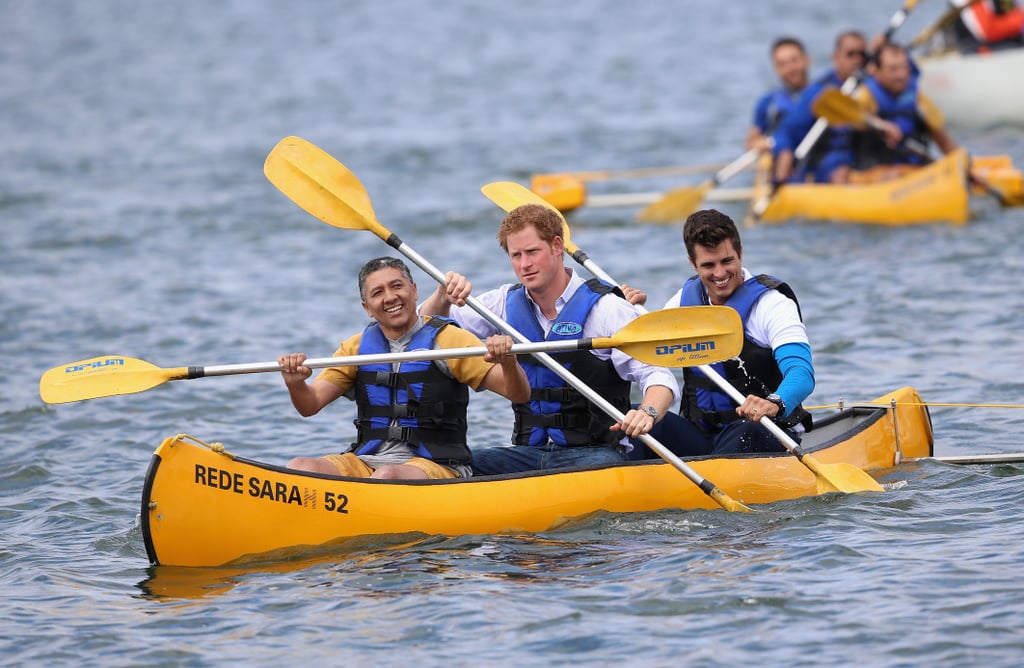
(262, 488)
(693, 351)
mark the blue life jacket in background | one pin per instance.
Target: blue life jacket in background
(899, 109)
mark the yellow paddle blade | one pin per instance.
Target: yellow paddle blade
(562, 191)
(676, 204)
(841, 477)
(727, 502)
(681, 336)
(321, 186)
(103, 377)
(510, 195)
(838, 109)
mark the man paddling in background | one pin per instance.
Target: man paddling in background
(904, 115)
(411, 416)
(773, 370)
(830, 158)
(559, 427)
(790, 61)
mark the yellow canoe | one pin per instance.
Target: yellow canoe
(937, 192)
(202, 506)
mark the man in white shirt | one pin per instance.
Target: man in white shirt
(559, 427)
(774, 369)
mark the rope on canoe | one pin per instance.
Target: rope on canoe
(216, 446)
(843, 404)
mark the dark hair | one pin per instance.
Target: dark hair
(709, 227)
(547, 222)
(378, 263)
(856, 34)
(787, 41)
(890, 47)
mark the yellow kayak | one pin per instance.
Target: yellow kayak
(202, 506)
(937, 192)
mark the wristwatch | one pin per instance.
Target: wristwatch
(650, 410)
(777, 400)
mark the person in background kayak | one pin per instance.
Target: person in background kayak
(411, 416)
(774, 369)
(790, 61)
(989, 25)
(831, 157)
(558, 426)
(908, 118)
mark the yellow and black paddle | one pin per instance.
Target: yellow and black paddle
(830, 477)
(636, 172)
(944, 20)
(680, 337)
(679, 203)
(326, 189)
(568, 190)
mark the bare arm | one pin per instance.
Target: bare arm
(757, 139)
(506, 377)
(455, 291)
(783, 166)
(634, 295)
(308, 398)
(943, 140)
(636, 422)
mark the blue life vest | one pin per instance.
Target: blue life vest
(755, 371)
(418, 404)
(779, 102)
(899, 109)
(835, 145)
(557, 412)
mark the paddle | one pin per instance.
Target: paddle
(325, 188)
(944, 20)
(653, 340)
(635, 173)
(568, 190)
(758, 208)
(830, 477)
(567, 193)
(839, 109)
(679, 203)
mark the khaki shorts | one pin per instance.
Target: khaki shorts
(350, 465)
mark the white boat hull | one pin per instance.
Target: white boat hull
(976, 90)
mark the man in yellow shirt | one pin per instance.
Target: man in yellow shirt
(411, 416)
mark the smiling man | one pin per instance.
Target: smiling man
(411, 416)
(903, 113)
(774, 368)
(830, 158)
(791, 63)
(558, 426)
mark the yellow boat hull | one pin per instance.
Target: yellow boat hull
(202, 506)
(937, 192)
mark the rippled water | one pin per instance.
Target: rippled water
(137, 221)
